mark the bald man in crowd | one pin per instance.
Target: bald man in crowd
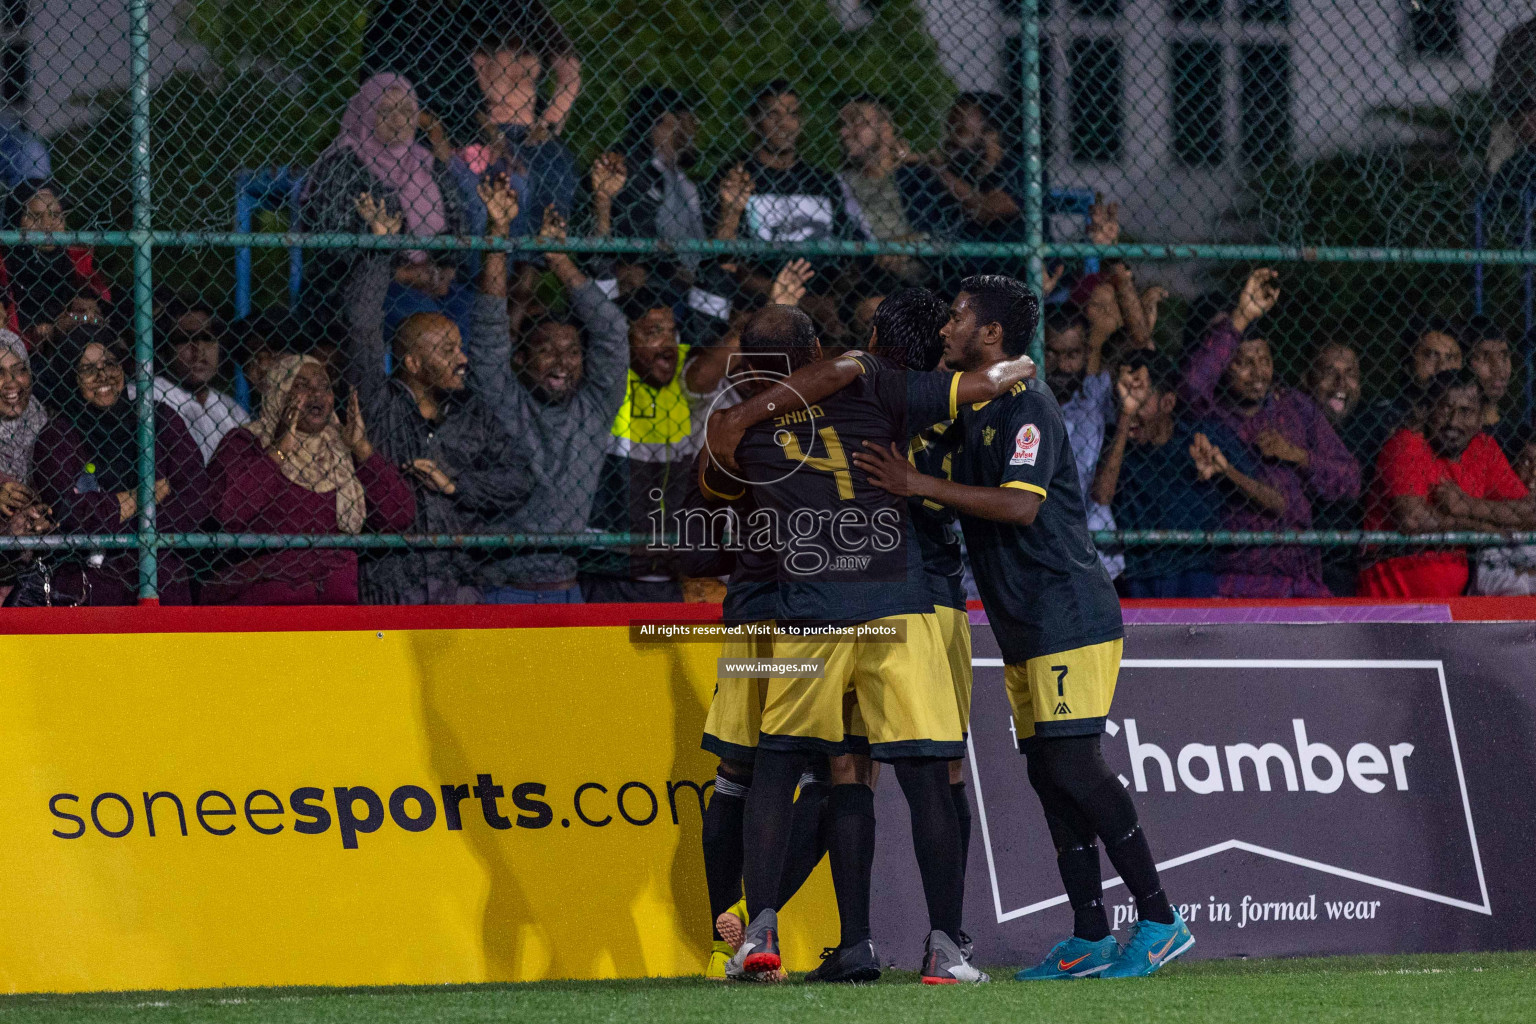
(469, 474)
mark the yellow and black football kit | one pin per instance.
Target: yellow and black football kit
(943, 564)
(736, 709)
(736, 706)
(1052, 606)
(848, 555)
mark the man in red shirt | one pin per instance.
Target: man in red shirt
(1451, 477)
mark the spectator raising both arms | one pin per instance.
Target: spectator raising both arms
(468, 475)
(1230, 378)
(559, 402)
(1162, 470)
(298, 469)
(524, 141)
(1447, 476)
(440, 62)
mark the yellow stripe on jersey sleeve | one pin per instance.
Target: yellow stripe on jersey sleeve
(1021, 485)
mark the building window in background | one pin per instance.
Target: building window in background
(1434, 29)
(1198, 111)
(1105, 9)
(15, 54)
(1264, 102)
(1278, 11)
(15, 78)
(1096, 95)
(1195, 10)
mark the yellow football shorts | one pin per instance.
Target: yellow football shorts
(955, 628)
(894, 700)
(1065, 694)
(736, 709)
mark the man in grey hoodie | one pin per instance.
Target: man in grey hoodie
(559, 402)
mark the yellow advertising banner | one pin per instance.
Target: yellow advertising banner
(346, 807)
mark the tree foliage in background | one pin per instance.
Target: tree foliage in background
(281, 72)
(1417, 193)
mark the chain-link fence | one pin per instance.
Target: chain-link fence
(425, 300)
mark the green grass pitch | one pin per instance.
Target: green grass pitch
(1483, 988)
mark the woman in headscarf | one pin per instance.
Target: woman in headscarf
(299, 470)
(376, 160)
(85, 463)
(21, 419)
(47, 287)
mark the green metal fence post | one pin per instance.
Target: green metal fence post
(1034, 176)
(143, 295)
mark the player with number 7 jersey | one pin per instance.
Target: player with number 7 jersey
(1056, 617)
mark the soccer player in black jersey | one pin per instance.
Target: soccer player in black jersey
(845, 559)
(731, 726)
(1057, 619)
(906, 331)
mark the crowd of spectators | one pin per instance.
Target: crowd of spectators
(457, 393)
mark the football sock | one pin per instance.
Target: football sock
(1132, 857)
(722, 841)
(850, 816)
(1076, 764)
(766, 826)
(807, 835)
(1079, 867)
(963, 816)
(935, 840)
(1077, 855)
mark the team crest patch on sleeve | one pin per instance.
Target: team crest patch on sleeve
(1026, 445)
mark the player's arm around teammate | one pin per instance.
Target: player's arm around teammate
(824, 378)
(890, 471)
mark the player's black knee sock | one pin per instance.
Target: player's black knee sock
(1077, 855)
(1077, 765)
(850, 817)
(1131, 855)
(722, 841)
(1079, 867)
(936, 841)
(769, 814)
(963, 817)
(807, 835)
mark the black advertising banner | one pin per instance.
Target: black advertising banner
(1307, 789)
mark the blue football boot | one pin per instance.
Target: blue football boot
(1074, 958)
(1150, 947)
